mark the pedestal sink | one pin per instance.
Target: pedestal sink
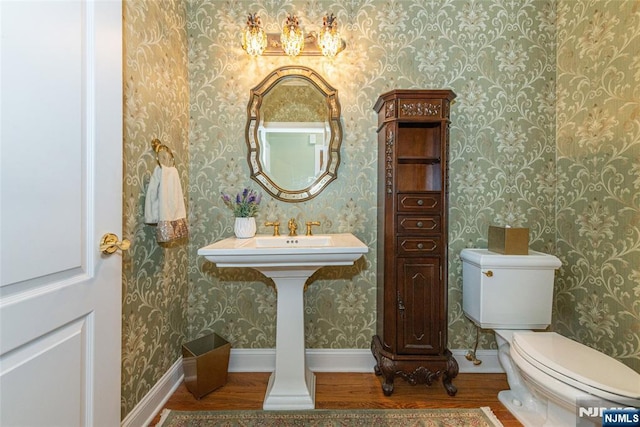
(289, 261)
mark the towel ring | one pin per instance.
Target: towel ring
(159, 147)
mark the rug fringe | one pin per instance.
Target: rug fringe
(163, 417)
(489, 413)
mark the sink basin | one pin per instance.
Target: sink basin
(297, 241)
(285, 251)
(289, 262)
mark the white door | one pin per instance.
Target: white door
(60, 191)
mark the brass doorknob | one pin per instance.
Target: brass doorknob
(488, 273)
(110, 243)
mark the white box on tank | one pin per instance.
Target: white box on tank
(508, 291)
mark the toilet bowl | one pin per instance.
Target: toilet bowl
(553, 380)
(551, 377)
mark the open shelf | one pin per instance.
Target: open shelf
(419, 177)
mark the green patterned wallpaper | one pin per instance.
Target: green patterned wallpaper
(187, 81)
(598, 176)
(156, 105)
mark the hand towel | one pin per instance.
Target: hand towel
(151, 208)
(164, 205)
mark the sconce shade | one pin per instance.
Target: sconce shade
(254, 38)
(328, 39)
(292, 37)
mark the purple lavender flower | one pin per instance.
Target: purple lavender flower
(245, 204)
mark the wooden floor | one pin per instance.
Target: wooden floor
(353, 391)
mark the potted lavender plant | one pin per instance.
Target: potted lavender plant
(245, 208)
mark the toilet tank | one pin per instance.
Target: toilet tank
(508, 291)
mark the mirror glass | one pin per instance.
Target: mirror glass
(294, 133)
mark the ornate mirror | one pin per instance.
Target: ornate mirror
(294, 133)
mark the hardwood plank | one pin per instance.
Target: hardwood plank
(353, 391)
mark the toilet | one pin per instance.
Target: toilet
(553, 380)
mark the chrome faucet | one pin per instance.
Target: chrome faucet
(293, 227)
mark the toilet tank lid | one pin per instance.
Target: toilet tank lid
(571, 359)
(484, 258)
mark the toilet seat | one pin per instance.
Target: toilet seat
(592, 372)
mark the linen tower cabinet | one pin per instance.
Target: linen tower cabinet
(411, 326)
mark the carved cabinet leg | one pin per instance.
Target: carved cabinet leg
(446, 381)
(388, 371)
(385, 367)
(387, 387)
(449, 375)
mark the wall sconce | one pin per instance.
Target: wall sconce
(292, 37)
(292, 41)
(329, 40)
(254, 39)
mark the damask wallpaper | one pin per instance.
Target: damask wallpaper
(598, 176)
(187, 81)
(156, 105)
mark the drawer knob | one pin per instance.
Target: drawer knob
(419, 224)
(420, 246)
(420, 202)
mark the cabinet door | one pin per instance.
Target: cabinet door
(420, 318)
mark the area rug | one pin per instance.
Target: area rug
(482, 417)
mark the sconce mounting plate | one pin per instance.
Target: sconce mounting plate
(274, 48)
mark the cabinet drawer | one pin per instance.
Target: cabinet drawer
(418, 202)
(418, 224)
(418, 245)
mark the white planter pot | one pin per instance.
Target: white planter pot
(245, 227)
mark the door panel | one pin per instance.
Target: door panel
(419, 301)
(53, 356)
(41, 104)
(60, 191)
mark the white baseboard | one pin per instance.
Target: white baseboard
(347, 360)
(264, 360)
(318, 360)
(152, 402)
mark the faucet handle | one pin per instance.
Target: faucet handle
(293, 227)
(309, 224)
(275, 225)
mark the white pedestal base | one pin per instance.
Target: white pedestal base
(292, 386)
(287, 398)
